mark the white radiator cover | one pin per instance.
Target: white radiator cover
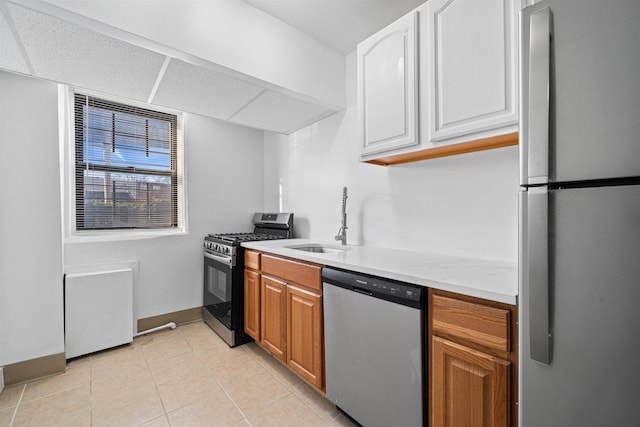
(98, 310)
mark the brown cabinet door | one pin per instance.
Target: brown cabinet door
(469, 388)
(304, 334)
(252, 304)
(273, 316)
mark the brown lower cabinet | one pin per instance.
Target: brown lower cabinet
(283, 312)
(252, 303)
(472, 342)
(305, 341)
(473, 362)
(273, 316)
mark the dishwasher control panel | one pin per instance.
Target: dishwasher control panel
(391, 290)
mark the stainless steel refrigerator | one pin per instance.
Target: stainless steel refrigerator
(579, 300)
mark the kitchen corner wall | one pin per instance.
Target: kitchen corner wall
(461, 205)
(224, 172)
(31, 316)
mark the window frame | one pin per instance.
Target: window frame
(68, 148)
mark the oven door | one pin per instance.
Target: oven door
(218, 286)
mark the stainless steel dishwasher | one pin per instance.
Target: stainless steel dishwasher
(374, 348)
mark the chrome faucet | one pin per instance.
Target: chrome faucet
(342, 232)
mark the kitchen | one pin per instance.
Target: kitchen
(463, 205)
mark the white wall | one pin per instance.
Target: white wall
(31, 318)
(224, 168)
(460, 205)
(232, 34)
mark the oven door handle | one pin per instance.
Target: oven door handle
(228, 261)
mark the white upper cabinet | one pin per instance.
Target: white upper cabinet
(467, 66)
(464, 93)
(387, 88)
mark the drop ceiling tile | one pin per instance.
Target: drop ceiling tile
(10, 56)
(203, 91)
(72, 54)
(279, 113)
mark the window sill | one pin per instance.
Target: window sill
(121, 235)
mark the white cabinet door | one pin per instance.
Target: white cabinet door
(468, 67)
(387, 110)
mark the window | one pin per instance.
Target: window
(126, 173)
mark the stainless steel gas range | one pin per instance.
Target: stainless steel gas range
(223, 274)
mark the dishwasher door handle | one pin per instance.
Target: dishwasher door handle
(362, 291)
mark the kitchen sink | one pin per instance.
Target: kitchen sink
(317, 248)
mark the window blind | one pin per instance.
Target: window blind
(125, 166)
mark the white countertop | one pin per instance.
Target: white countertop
(492, 280)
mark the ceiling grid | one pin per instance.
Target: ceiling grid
(46, 41)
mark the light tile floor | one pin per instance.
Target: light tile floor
(185, 377)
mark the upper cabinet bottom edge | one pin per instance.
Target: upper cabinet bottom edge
(499, 141)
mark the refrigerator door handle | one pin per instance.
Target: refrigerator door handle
(535, 247)
(535, 69)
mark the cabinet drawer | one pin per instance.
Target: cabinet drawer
(252, 260)
(308, 275)
(473, 322)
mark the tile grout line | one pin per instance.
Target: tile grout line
(193, 350)
(15, 411)
(224, 390)
(146, 364)
(155, 384)
(298, 394)
(292, 390)
(166, 413)
(252, 356)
